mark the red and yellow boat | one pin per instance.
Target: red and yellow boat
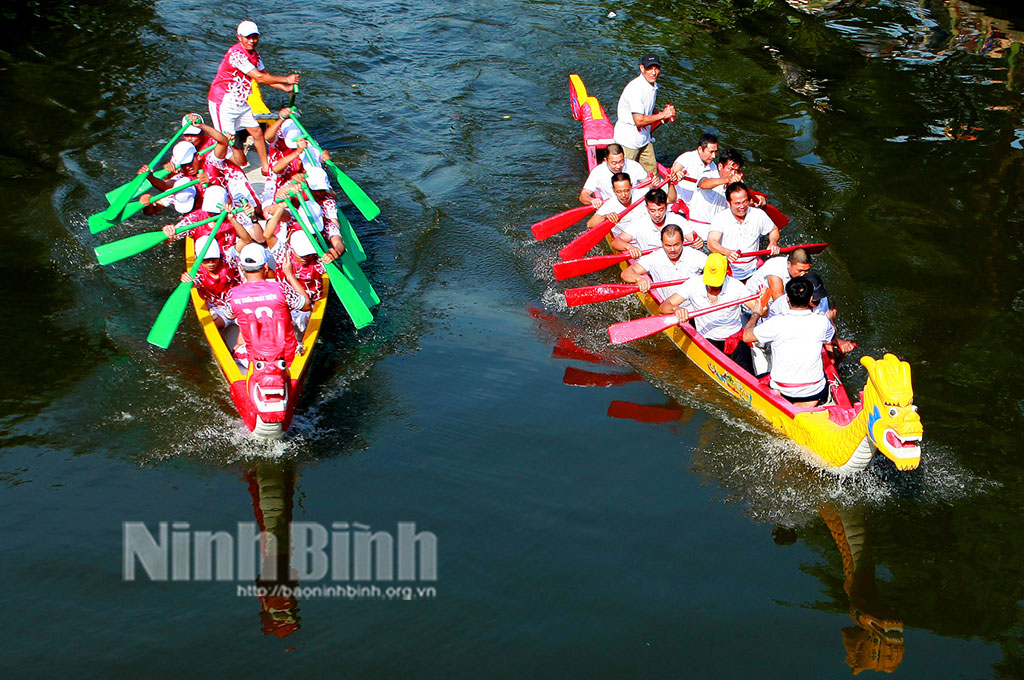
(841, 436)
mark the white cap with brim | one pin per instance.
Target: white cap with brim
(247, 28)
(192, 129)
(184, 200)
(300, 244)
(317, 179)
(292, 137)
(214, 199)
(182, 153)
(212, 253)
(315, 210)
(254, 257)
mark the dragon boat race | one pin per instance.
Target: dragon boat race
(641, 339)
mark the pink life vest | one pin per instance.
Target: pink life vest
(263, 305)
(231, 82)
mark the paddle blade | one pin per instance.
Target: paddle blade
(601, 293)
(122, 195)
(555, 224)
(578, 377)
(99, 222)
(113, 194)
(586, 265)
(776, 215)
(167, 322)
(126, 247)
(582, 244)
(349, 297)
(355, 193)
(628, 331)
(814, 248)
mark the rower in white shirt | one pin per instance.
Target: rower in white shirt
(644, 231)
(776, 272)
(696, 164)
(672, 262)
(721, 328)
(623, 194)
(598, 187)
(739, 229)
(796, 340)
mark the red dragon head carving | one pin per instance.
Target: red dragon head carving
(267, 382)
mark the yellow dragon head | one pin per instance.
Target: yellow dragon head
(894, 427)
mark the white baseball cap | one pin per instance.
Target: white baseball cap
(192, 129)
(215, 199)
(300, 244)
(317, 179)
(292, 137)
(247, 28)
(315, 210)
(253, 256)
(182, 153)
(184, 200)
(212, 253)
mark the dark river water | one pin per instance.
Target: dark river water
(651, 528)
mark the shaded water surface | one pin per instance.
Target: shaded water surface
(598, 511)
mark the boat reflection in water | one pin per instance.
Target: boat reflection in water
(272, 487)
(875, 641)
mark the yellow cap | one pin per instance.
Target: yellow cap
(714, 270)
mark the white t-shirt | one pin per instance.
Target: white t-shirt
(723, 323)
(637, 97)
(600, 178)
(776, 266)
(645, 233)
(781, 306)
(706, 203)
(660, 268)
(743, 236)
(612, 205)
(796, 338)
(696, 168)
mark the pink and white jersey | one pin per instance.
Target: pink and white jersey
(257, 303)
(215, 286)
(329, 205)
(311, 276)
(232, 85)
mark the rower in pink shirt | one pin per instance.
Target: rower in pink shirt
(229, 92)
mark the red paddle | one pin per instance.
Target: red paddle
(608, 291)
(628, 331)
(587, 265)
(811, 248)
(555, 224)
(550, 226)
(582, 244)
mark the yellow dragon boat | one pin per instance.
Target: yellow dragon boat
(841, 436)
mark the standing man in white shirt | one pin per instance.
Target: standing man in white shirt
(635, 114)
(739, 229)
(598, 187)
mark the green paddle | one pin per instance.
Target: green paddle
(161, 173)
(356, 309)
(126, 192)
(354, 192)
(349, 266)
(116, 251)
(167, 322)
(134, 208)
(348, 234)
